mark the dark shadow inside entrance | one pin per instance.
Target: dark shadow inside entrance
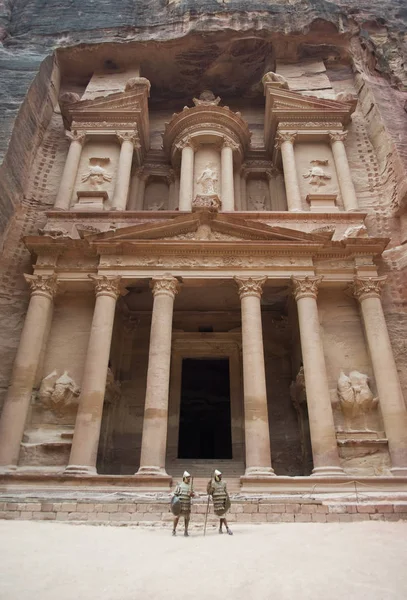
(205, 422)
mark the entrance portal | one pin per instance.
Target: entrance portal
(205, 422)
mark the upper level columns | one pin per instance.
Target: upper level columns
(227, 183)
(367, 290)
(187, 175)
(321, 422)
(66, 187)
(89, 416)
(257, 432)
(285, 141)
(128, 139)
(342, 170)
(32, 340)
(154, 438)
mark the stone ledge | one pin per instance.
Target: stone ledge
(260, 511)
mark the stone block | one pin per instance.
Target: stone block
(44, 516)
(78, 516)
(337, 508)
(128, 507)
(402, 516)
(348, 518)
(333, 517)
(400, 508)
(250, 508)
(25, 515)
(379, 517)
(2, 506)
(32, 506)
(103, 516)
(256, 517)
(274, 517)
(110, 508)
(68, 506)
(47, 507)
(199, 508)
(120, 516)
(360, 517)
(351, 508)
(322, 509)
(307, 509)
(302, 518)
(12, 506)
(287, 518)
(292, 508)
(264, 508)
(8, 516)
(366, 508)
(236, 508)
(384, 508)
(277, 508)
(86, 508)
(318, 518)
(61, 516)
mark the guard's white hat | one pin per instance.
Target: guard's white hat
(217, 472)
(186, 474)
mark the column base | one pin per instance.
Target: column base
(4, 469)
(399, 471)
(152, 472)
(328, 472)
(259, 472)
(80, 470)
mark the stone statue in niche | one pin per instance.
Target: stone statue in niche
(205, 98)
(97, 176)
(155, 205)
(316, 174)
(58, 393)
(257, 203)
(355, 396)
(208, 180)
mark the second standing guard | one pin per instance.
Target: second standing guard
(221, 501)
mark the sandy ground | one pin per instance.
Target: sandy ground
(52, 561)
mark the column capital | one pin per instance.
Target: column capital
(166, 285)
(227, 143)
(337, 136)
(250, 286)
(305, 287)
(272, 172)
(285, 136)
(186, 142)
(367, 287)
(170, 177)
(128, 136)
(42, 285)
(106, 286)
(76, 136)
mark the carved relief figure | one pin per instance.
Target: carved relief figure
(58, 393)
(316, 173)
(206, 97)
(355, 396)
(208, 180)
(97, 175)
(257, 203)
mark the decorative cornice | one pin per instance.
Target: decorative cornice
(166, 285)
(285, 136)
(250, 286)
(42, 285)
(367, 287)
(305, 287)
(337, 136)
(106, 286)
(76, 136)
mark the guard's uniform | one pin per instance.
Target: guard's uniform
(183, 491)
(220, 496)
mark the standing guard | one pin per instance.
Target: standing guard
(221, 501)
(181, 502)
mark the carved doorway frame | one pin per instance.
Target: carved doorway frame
(207, 345)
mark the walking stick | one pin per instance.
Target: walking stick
(206, 516)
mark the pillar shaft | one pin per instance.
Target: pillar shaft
(237, 190)
(186, 178)
(286, 142)
(228, 198)
(66, 187)
(121, 192)
(344, 175)
(154, 438)
(321, 422)
(393, 408)
(257, 432)
(89, 416)
(133, 193)
(18, 397)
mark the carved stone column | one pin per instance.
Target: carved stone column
(128, 139)
(367, 290)
(63, 199)
(16, 405)
(228, 196)
(187, 175)
(285, 141)
(321, 422)
(346, 186)
(237, 190)
(89, 417)
(243, 188)
(257, 432)
(154, 438)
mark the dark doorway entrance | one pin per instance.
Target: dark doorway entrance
(205, 423)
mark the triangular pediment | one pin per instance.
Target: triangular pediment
(119, 101)
(282, 99)
(205, 227)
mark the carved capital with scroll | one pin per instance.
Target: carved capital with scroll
(337, 136)
(106, 286)
(42, 285)
(285, 136)
(367, 287)
(250, 286)
(166, 285)
(305, 287)
(76, 136)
